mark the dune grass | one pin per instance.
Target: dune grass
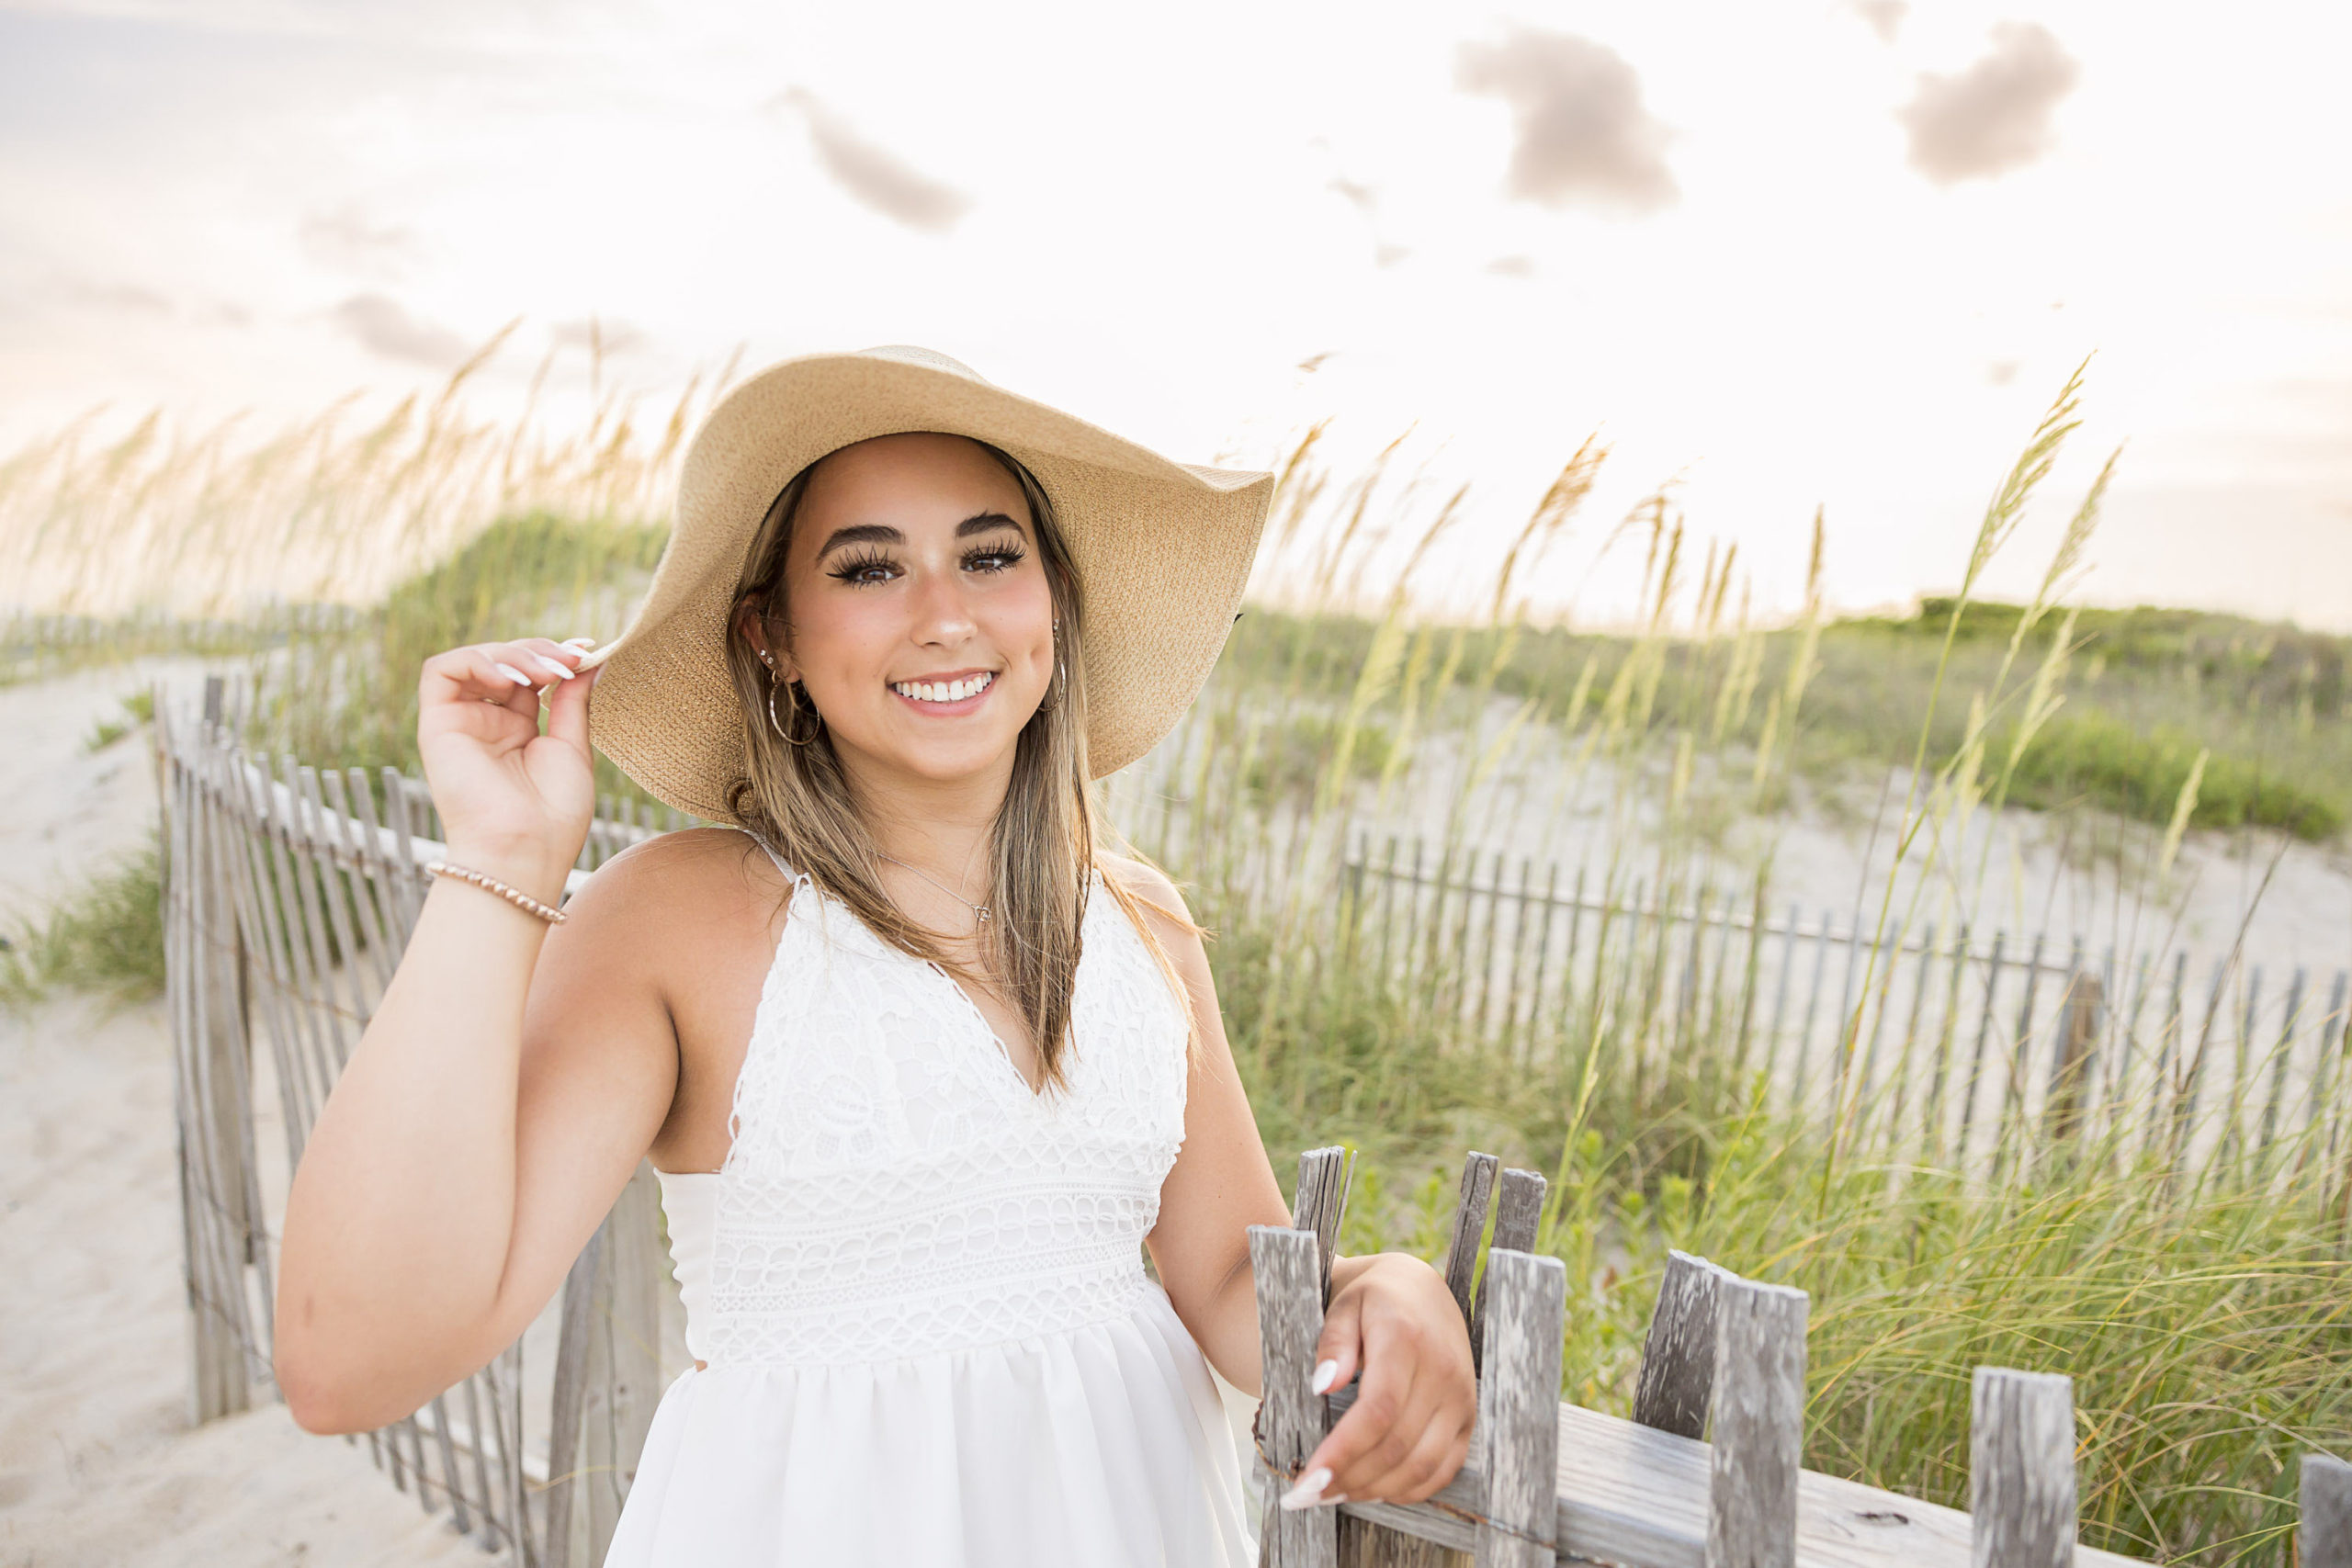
(105, 936)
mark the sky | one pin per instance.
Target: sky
(1780, 256)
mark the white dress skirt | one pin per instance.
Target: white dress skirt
(920, 1290)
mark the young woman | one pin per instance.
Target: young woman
(919, 1061)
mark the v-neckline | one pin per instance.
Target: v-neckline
(1020, 1080)
(995, 1040)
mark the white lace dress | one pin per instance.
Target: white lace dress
(919, 1287)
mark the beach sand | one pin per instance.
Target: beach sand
(98, 1464)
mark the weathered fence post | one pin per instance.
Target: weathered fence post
(2324, 1539)
(2084, 1019)
(1518, 1210)
(1519, 1409)
(1469, 1224)
(1321, 1202)
(1676, 1386)
(1291, 1415)
(2022, 1469)
(1760, 1426)
(207, 1006)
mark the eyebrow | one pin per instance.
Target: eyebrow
(883, 534)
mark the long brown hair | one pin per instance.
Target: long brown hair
(1047, 830)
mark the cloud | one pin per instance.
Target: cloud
(343, 240)
(1885, 16)
(383, 326)
(1583, 133)
(1363, 195)
(1995, 116)
(877, 178)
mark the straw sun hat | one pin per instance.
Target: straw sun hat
(1161, 548)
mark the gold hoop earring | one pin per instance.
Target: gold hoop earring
(794, 703)
(1054, 688)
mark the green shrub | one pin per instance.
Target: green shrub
(2096, 757)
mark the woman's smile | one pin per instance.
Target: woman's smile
(953, 691)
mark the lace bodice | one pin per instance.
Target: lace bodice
(896, 1188)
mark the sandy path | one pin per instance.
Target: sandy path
(97, 1463)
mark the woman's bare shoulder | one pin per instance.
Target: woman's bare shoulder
(673, 892)
(1157, 895)
(1141, 880)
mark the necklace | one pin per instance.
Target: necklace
(979, 909)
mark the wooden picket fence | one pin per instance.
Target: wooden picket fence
(1549, 1483)
(288, 898)
(1947, 1042)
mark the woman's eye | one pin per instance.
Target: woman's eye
(993, 561)
(858, 573)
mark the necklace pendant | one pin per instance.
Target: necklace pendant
(982, 909)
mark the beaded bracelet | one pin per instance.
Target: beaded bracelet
(514, 896)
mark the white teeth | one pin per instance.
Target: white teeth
(943, 690)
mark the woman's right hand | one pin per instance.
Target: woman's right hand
(515, 804)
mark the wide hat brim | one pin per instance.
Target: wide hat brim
(1163, 550)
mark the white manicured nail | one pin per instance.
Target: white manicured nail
(1324, 1372)
(579, 642)
(514, 674)
(1309, 1490)
(563, 670)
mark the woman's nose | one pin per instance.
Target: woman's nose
(941, 612)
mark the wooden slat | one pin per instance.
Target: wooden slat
(338, 878)
(477, 1443)
(1519, 1398)
(1292, 1419)
(340, 795)
(246, 858)
(2022, 1469)
(1781, 994)
(338, 1006)
(1469, 1225)
(2083, 1020)
(1324, 1175)
(1984, 1032)
(219, 963)
(1905, 1066)
(2325, 1536)
(1675, 1385)
(1638, 1498)
(1760, 1426)
(1812, 1014)
(1519, 1212)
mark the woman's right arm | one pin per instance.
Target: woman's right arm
(510, 1078)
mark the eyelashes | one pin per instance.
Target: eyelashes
(857, 568)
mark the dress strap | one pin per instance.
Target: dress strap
(790, 874)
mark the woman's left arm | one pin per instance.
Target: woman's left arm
(1390, 1319)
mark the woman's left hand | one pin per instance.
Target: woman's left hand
(1408, 1430)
